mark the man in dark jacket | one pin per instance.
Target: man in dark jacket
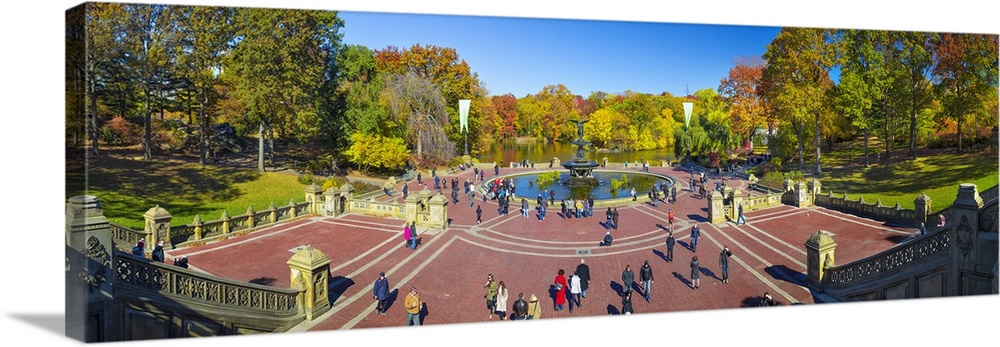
(380, 292)
(628, 278)
(646, 275)
(607, 239)
(520, 308)
(695, 234)
(670, 246)
(158, 251)
(724, 263)
(583, 271)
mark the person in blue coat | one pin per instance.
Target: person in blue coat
(380, 292)
(695, 234)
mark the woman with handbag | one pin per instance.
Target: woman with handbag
(560, 290)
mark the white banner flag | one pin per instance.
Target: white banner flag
(463, 114)
(688, 106)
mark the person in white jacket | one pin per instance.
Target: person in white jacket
(575, 288)
(501, 305)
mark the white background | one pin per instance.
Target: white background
(32, 165)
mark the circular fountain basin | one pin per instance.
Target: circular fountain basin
(529, 186)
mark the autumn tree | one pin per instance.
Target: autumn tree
(375, 151)
(206, 36)
(280, 70)
(965, 73)
(418, 103)
(505, 107)
(744, 98)
(799, 63)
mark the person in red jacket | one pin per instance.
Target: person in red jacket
(561, 287)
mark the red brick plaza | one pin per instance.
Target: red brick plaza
(449, 267)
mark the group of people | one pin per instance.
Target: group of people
(412, 303)
(139, 249)
(410, 235)
(497, 296)
(577, 208)
(571, 290)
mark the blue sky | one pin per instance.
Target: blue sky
(522, 55)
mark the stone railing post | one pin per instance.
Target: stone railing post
(314, 198)
(814, 190)
(273, 213)
(89, 309)
(715, 214)
(971, 255)
(330, 199)
(820, 250)
(802, 198)
(411, 207)
(250, 219)
(197, 227)
(789, 184)
(157, 228)
(922, 209)
(664, 163)
(292, 213)
(347, 196)
(438, 212)
(737, 201)
(310, 272)
(226, 227)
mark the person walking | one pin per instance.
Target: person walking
(673, 194)
(646, 275)
(590, 206)
(380, 292)
(534, 309)
(501, 302)
(614, 218)
(633, 191)
(695, 234)
(695, 273)
(670, 246)
(407, 235)
(472, 196)
(419, 181)
(561, 287)
(413, 235)
(524, 208)
(608, 215)
(406, 191)
(479, 215)
(670, 219)
(491, 295)
(583, 271)
(628, 278)
(627, 303)
(140, 248)
(574, 291)
(724, 263)
(413, 306)
(740, 217)
(564, 210)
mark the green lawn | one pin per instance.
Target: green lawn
(128, 187)
(937, 175)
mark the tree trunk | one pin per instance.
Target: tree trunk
(888, 136)
(798, 133)
(959, 133)
(92, 85)
(913, 126)
(420, 145)
(260, 147)
(270, 145)
(147, 138)
(867, 163)
(203, 125)
(817, 143)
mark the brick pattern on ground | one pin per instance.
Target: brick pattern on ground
(449, 268)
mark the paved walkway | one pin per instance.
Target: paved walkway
(449, 267)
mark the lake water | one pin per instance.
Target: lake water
(529, 187)
(541, 153)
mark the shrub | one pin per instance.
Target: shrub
(119, 131)
(306, 179)
(548, 177)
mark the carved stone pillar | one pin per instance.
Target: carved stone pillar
(438, 212)
(814, 190)
(715, 211)
(197, 227)
(310, 270)
(819, 257)
(974, 250)
(314, 198)
(347, 196)
(922, 209)
(737, 201)
(89, 272)
(292, 213)
(330, 199)
(802, 196)
(157, 228)
(411, 207)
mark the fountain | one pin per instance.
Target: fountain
(580, 169)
